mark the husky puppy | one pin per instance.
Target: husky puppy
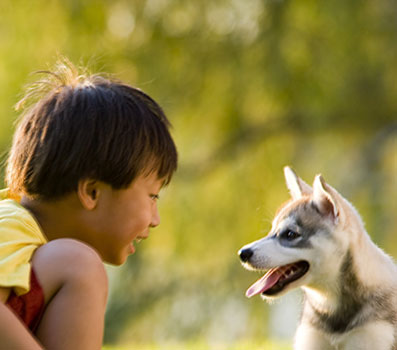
(318, 242)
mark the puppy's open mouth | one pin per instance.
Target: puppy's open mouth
(277, 278)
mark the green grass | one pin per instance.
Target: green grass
(205, 346)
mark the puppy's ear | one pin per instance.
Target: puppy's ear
(323, 199)
(88, 192)
(297, 187)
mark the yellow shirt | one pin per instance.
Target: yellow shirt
(20, 236)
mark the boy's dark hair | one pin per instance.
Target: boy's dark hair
(87, 126)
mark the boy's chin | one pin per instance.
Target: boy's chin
(120, 257)
(116, 260)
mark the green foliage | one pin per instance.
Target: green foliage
(249, 86)
(202, 346)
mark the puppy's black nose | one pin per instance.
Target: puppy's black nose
(245, 254)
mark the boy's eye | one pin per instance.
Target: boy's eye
(155, 197)
(289, 235)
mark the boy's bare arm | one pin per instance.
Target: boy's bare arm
(13, 334)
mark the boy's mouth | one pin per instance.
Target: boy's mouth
(136, 240)
(277, 278)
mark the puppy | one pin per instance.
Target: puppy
(318, 242)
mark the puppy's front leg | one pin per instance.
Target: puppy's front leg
(376, 335)
(309, 338)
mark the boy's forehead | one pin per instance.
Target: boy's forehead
(152, 169)
(151, 178)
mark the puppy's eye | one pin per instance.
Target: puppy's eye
(290, 235)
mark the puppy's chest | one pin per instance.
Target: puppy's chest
(346, 316)
(352, 311)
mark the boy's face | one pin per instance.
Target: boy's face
(124, 216)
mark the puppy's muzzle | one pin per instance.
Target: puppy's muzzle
(245, 254)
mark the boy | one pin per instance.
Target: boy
(88, 160)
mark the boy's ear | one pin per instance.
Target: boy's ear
(297, 187)
(322, 198)
(88, 192)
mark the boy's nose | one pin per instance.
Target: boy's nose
(155, 219)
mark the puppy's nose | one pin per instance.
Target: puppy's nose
(245, 254)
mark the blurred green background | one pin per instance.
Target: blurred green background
(250, 86)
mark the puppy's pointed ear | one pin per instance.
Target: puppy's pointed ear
(323, 199)
(297, 187)
(88, 192)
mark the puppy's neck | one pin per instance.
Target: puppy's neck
(337, 308)
(323, 299)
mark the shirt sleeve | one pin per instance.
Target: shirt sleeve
(20, 236)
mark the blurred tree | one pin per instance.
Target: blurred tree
(250, 86)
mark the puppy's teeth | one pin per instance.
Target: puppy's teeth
(290, 273)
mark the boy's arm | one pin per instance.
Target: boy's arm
(13, 334)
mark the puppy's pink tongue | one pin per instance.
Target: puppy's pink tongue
(264, 283)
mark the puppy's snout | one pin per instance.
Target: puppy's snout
(245, 254)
